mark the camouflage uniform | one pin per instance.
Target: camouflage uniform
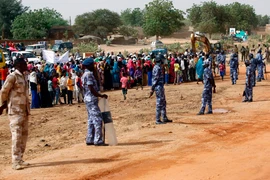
(233, 69)
(253, 65)
(249, 87)
(260, 67)
(94, 133)
(15, 92)
(207, 91)
(158, 87)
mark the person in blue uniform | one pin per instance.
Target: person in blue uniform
(253, 65)
(248, 93)
(209, 84)
(91, 95)
(158, 88)
(233, 68)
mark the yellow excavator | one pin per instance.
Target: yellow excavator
(208, 47)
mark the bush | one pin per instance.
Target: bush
(176, 47)
(86, 47)
(144, 50)
(128, 31)
(108, 42)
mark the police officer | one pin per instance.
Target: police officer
(259, 59)
(14, 95)
(253, 66)
(233, 67)
(209, 83)
(90, 86)
(158, 88)
(248, 88)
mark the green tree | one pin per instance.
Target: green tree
(36, 24)
(161, 18)
(10, 9)
(132, 17)
(208, 17)
(128, 31)
(99, 22)
(263, 20)
(241, 16)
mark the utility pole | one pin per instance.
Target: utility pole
(70, 20)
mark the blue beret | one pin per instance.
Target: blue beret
(88, 61)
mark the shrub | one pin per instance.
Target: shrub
(108, 42)
(86, 47)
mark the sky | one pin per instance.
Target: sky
(73, 8)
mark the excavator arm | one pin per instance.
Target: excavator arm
(200, 38)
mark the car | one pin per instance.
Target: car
(157, 44)
(27, 55)
(62, 46)
(35, 48)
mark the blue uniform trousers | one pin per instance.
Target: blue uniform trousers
(94, 132)
(233, 72)
(161, 103)
(206, 100)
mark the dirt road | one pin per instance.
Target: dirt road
(233, 143)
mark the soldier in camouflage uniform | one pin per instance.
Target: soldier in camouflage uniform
(90, 86)
(209, 83)
(158, 88)
(14, 95)
(248, 88)
(233, 68)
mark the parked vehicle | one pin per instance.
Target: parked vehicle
(62, 46)
(27, 55)
(35, 48)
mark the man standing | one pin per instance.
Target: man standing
(253, 66)
(259, 59)
(209, 83)
(249, 88)
(91, 95)
(243, 53)
(233, 67)
(158, 88)
(14, 95)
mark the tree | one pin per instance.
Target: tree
(263, 20)
(36, 24)
(241, 16)
(161, 18)
(99, 22)
(128, 31)
(211, 18)
(132, 17)
(208, 17)
(10, 9)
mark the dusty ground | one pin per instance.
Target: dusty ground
(232, 145)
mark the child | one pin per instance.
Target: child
(70, 88)
(79, 88)
(176, 71)
(222, 70)
(124, 81)
(138, 77)
(50, 89)
(166, 71)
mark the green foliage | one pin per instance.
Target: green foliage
(263, 20)
(161, 18)
(175, 47)
(99, 23)
(108, 42)
(145, 50)
(36, 24)
(128, 31)
(10, 9)
(86, 47)
(209, 17)
(132, 17)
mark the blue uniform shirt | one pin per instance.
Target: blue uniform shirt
(88, 78)
(234, 62)
(248, 74)
(207, 76)
(157, 77)
(259, 58)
